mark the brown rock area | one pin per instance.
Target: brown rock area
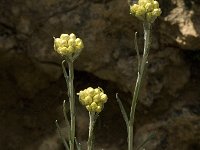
(32, 86)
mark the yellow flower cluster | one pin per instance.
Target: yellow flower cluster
(146, 10)
(93, 99)
(68, 45)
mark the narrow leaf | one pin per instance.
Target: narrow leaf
(65, 110)
(65, 75)
(150, 137)
(137, 51)
(122, 109)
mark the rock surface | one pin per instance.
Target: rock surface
(32, 86)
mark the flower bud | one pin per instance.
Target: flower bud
(93, 106)
(104, 98)
(62, 50)
(97, 98)
(155, 4)
(72, 36)
(81, 94)
(98, 109)
(64, 43)
(79, 43)
(70, 50)
(140, 13)
(133, 8)
(64, 37)
(71, 42)
(156, 12)
(88, 100)
(90, 91)
(149, 7)
(57, 43)
(97, 91)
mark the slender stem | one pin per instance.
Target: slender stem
(72, 103)
(143, 64)
(130, 136)
(91, 129)
(66, 119)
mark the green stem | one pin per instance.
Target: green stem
(93, 118)
(66, 120)
(130, 136)
(72, 103)
(143, 64)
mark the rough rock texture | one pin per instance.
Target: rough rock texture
(32, 87)
(185, 21)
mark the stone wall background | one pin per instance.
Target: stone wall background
(32, 86)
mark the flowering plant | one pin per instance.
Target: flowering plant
(94, 99)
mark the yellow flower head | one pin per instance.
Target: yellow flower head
(93, 99)
(68, 46)
(146, 10)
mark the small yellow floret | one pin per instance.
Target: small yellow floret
(71, 42)
(104, 98)
(155, 4)
(149, 7)
(97, 91)
(140, 13)
(98, 109)
(72, 36)
(62, 50)
(133, 8)
(88, 100)
(90, 91)
(94, 105)
(96, 98)
(64, 37)
(156, 12)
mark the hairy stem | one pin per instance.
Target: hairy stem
(72, 103)
(142, 67)
(93, 118)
